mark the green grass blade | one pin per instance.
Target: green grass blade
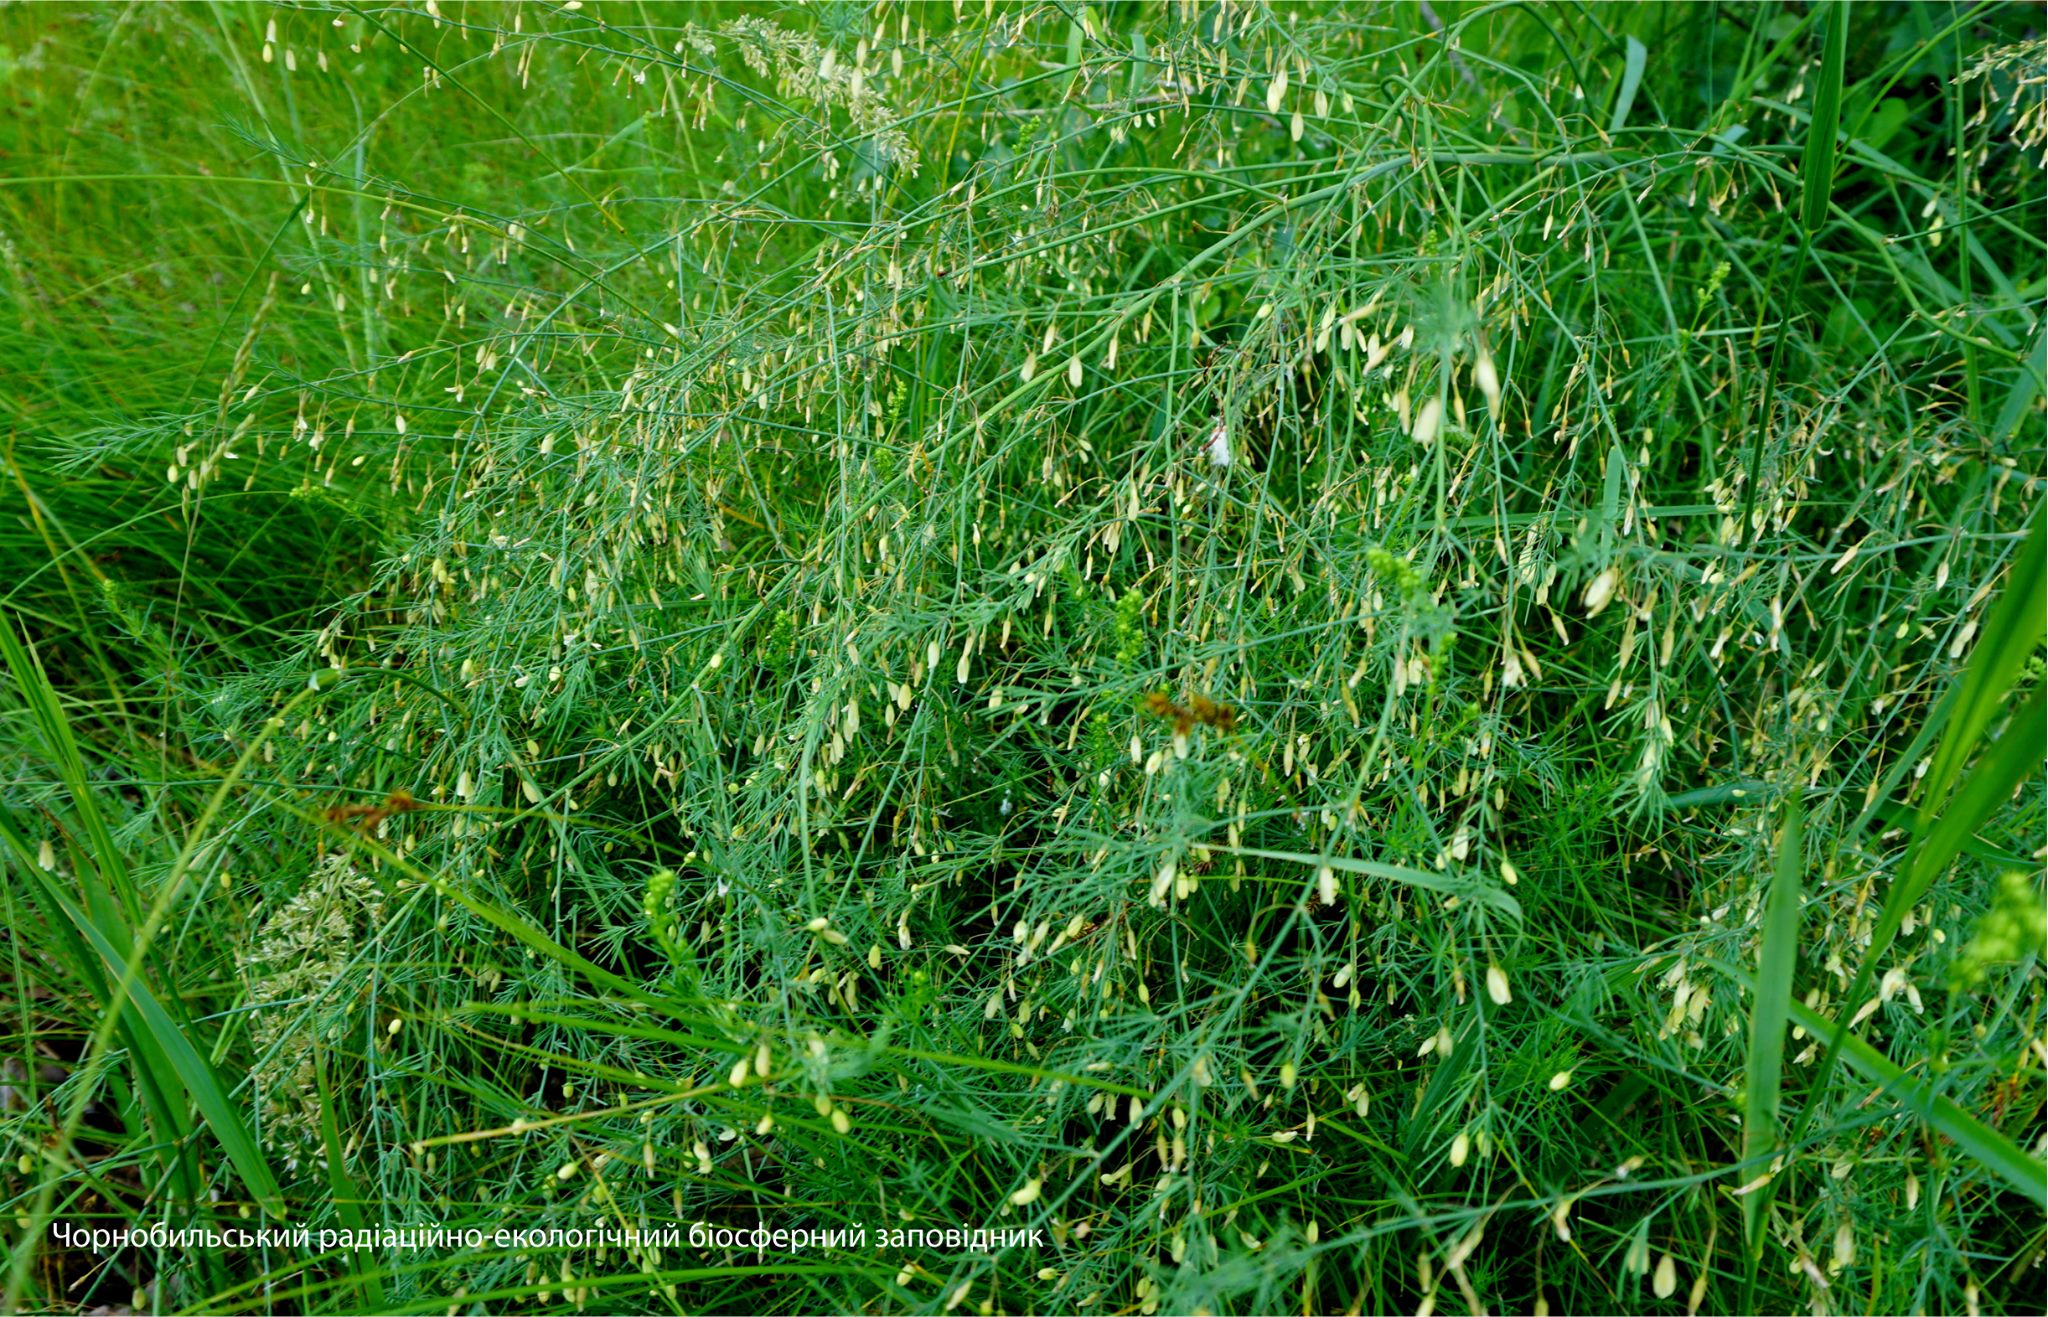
(1895, 815)
(193, 1073)
(202, 1083)
(1631, 80)
(1777, 958)
(341, 1186)
(1817, 171)
(46, 714)
(107, 896)
(1989, 784)
(1494, 898)
(1945, 822)
(155, 1082)
(2011, 633)
(1992, 1150)
(2029, 377)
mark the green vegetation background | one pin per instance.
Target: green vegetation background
(1307, 647)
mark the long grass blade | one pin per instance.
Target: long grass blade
(1817, 170)
(2012, 631)
(1989, 784)
(348, 1200)
(1944, 823)
(1777, 959)
(1638, 56)
(202, 1083)
(1494, 898)
(46, 713)
(1990, 1149)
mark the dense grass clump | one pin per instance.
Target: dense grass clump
(1345, 657)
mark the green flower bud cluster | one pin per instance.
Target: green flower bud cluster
(1395, 571)
(1712, 288)
(654, 905)
(2014, 928)
(1130, 628)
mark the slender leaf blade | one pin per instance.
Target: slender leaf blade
(1990, 1149)
(1777, 958)
(1493, 897)
(341, 1186)
(1631, 79)
(202, 1082)
(1817, 171)
(2011, 633)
